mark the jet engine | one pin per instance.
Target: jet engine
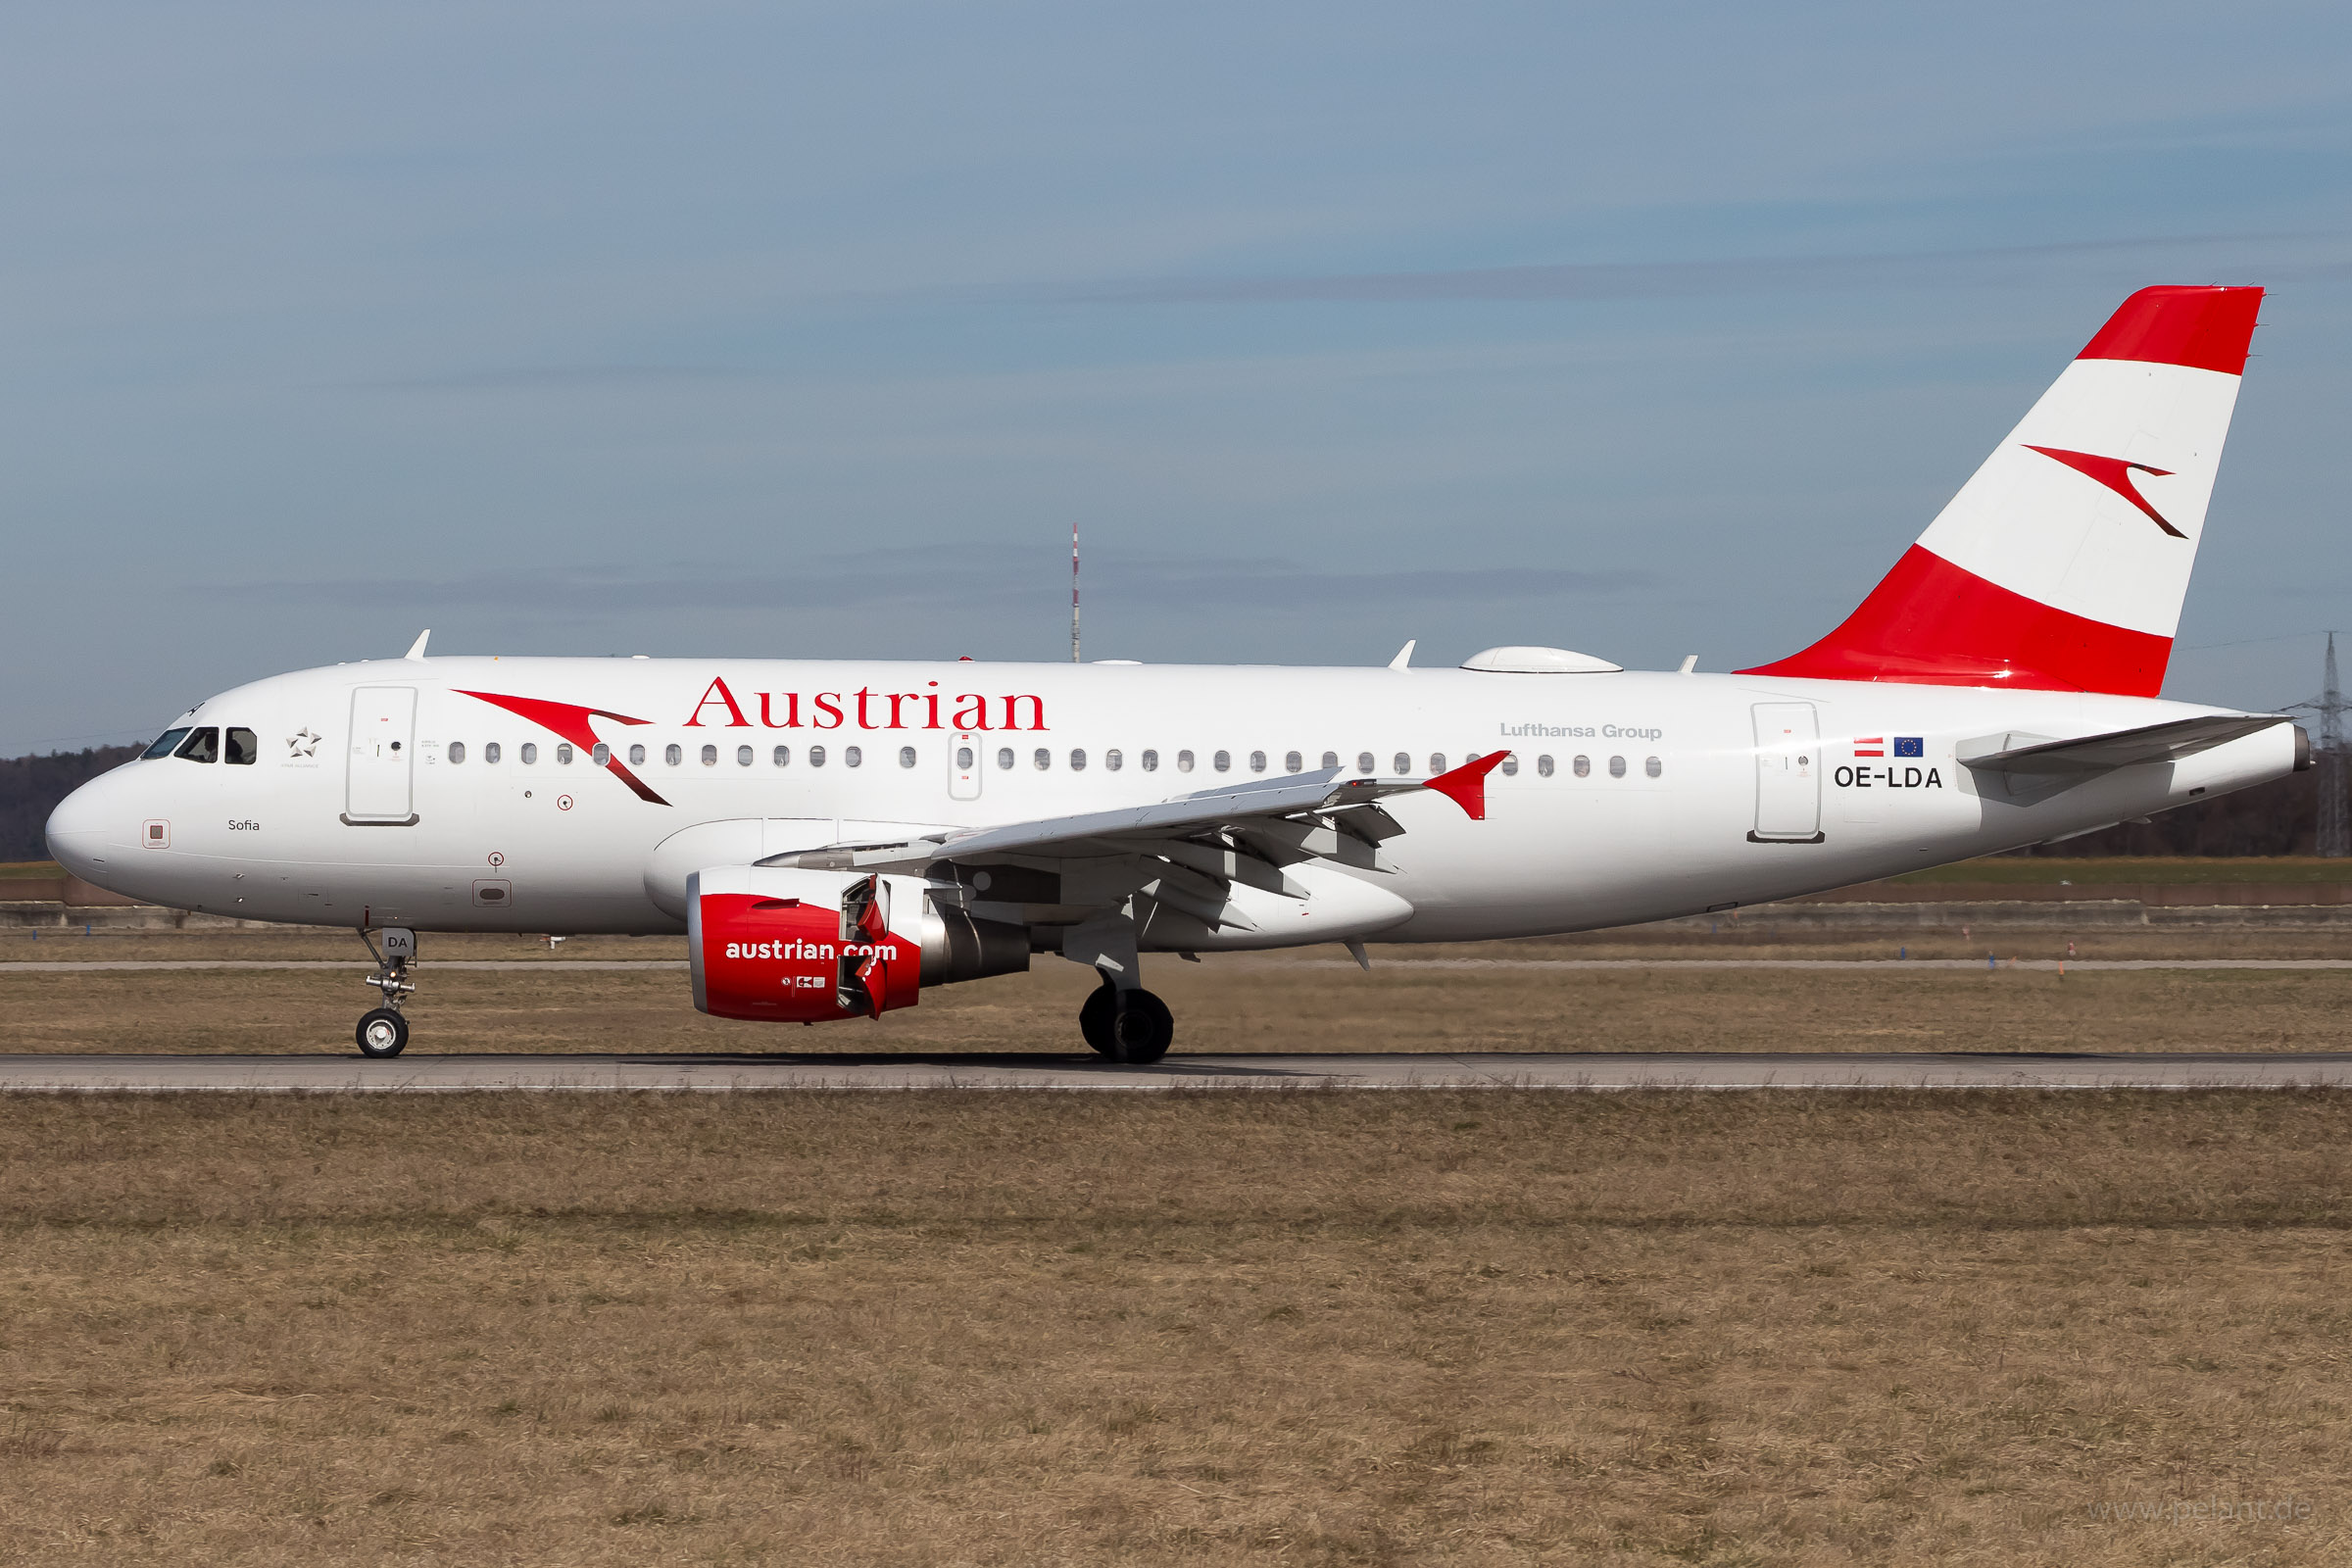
(792, 946)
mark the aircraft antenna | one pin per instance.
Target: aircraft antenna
(1074, 592)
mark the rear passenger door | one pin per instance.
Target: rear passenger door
(1787, 775)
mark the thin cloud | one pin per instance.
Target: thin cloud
(971, 578)
(556, 377)
(1618, 281)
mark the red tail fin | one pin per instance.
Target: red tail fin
(2062, 564)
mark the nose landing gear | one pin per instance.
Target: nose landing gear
(382, 1031)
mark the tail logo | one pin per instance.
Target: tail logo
(2116, 474)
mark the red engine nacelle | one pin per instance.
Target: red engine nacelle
(801, 947)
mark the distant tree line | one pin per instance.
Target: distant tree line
(2279, 818)
(2274, 819)
(31, 786)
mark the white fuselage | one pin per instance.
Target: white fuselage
(331, 825)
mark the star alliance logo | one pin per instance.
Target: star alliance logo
(2116, 474)
(303, 743)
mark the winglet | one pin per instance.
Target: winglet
(417, 648)
(1466, 785)
(1405, 655)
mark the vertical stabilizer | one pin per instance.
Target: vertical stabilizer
(2062, 563)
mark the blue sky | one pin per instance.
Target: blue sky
(811, 331)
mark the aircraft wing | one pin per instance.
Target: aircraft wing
(1187, 852)
(2035, 755)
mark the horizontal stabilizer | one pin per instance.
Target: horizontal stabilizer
(2035, 755)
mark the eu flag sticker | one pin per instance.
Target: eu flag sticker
(1910, 746)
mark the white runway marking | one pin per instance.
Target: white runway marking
(429, 1074)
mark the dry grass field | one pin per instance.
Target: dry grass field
(1316, 1329)
(1414, 1000)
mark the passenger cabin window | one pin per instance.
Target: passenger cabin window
(490, 752)
(1222, 761)
(1616, 767)
(165, 743)
(456, 752)
(563, 755)
(783, 757)
(1151, 762)
(1077, 759)
(1003, 757)
(1113, 760)
(201, 746)
(816, 757)
(1042, 760)
(1436, 762)
(743, 757)
(1510, 766)
(851, 756)
(1544, 766)
(1258, 762)
(1405, 763)
(1292, 762)
(243, 749)
(600, 754)
(1652, 766)
(529, 753)
(907, 756)
(673, 755)
(1365, 763)
(1582, 768)
(637, 756)
(1184, 761)
(964, 758)
(710, 757)
(1331, 759)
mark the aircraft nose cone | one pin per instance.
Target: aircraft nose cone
(89, 833)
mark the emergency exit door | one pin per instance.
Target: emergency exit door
(1787, 775)
(965, 760)
(380, 787)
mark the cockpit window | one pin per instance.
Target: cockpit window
(165, 742)
(201, 746)
(243, 748)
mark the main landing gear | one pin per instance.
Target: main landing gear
(1130, 1026)
(382, 1031)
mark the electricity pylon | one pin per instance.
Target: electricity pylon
(2334, 833)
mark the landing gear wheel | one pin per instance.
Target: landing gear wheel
(382, 1032)
(1140, 1028)
(1094, 1019)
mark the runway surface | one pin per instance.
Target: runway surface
(430, 1073)
(1878, 965)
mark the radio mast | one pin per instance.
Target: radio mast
(1074, 597)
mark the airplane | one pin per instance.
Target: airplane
(833, 837)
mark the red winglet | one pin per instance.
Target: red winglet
(1466, 785)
